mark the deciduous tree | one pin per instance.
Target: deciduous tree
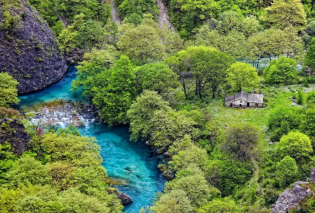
(241, 140)
(296, 145)
(242, 75)
(142, 111)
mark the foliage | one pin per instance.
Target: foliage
(197, 189)
(286, 13)
(27, 171)
(296, 145)
(132, 42)
(8, 113)
(241, 140)
(8, 90)
(115, 96)
(308, 122)
(82, 34)
(156, 77)
(300, 97)
(139, 7)
(227, 175)
(287, 171)
(7, 159)
(282, 114)
(242, 75)
(169, 126)
(94, 63)
(225, 205)
(310, 55)
(191, 155)
(142, 111)
(57, 11)
(209, 67)
(282, 71)
(175, 201)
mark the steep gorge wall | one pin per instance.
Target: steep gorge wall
(28, 49)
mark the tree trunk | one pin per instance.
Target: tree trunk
(184, 88)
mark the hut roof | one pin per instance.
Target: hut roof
(253, 98)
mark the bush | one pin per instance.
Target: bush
(282, 71)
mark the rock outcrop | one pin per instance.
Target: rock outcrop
(164, 18)
(125, 199)
(74, 56)
(28, 48)
(13, 132)
(291, 198)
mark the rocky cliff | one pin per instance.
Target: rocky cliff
(13, 132)
(28, 48)
(292, 199)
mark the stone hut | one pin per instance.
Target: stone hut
(243, 99)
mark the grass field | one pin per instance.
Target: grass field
(274, 96)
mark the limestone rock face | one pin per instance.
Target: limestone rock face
(13, 132)
(290, 198)
(29, 50)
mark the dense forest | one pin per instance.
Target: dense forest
(166, 74)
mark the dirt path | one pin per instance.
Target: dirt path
(163, 15)
(256, 172)
(115, 18)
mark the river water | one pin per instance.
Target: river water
(132, 162)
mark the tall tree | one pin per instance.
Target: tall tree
(94, 63)
(142, 111)
(209, 67)
(175, 201)
(287, 171)
(156, 77)
(285, 13)
(241, 140)
(242, 75)
(114, 99)
(142, 43)
(296, 145)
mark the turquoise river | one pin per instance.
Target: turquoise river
(123, 159)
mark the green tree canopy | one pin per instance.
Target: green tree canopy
(116, 96)
(209, 68)
(287, 171)
(27, 171)
(309, 59)
(241, 140)
(296, 145)
(285, 13)
(139, 46)
(175, 201)
(191, 155)
(94, 62)
(142, 111)
(168, 126)
(242, 75)
(282, 71)
(281, 114)
(8, 90)
(225, 205)
(194, 184)
(156, 77)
